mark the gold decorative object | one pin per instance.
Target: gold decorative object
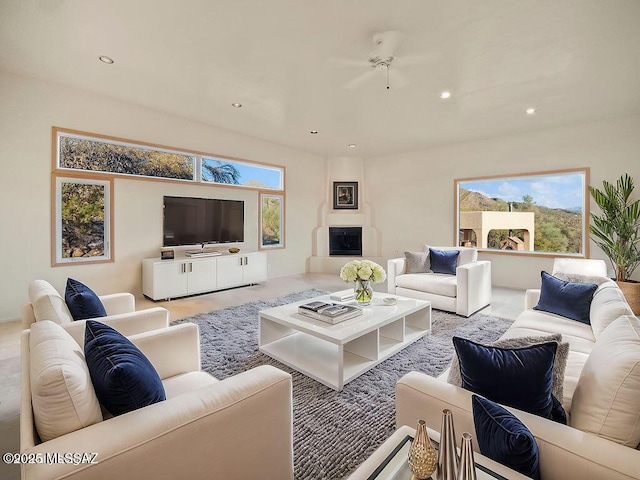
(448, 460)
(423, 458)
(234, 250)
(467, 469)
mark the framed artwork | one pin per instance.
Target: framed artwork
(271, 221)
(345, 195)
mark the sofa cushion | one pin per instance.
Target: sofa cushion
(569, 299)
(519, 378)
(607, 398)
(123, 378)
(467, 254)
(607, 305)
(187, 382)
(504, 438)
(417, 262)
(559, 365)
(62, 396)
(435, 283)
(444, 261)
(82, 302)
(47, 303)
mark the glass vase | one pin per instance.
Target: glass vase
(363, 291)
(423, 458)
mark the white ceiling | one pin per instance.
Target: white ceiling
(284, 60)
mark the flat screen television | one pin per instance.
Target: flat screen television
(191, 221)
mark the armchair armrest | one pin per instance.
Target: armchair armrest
(473, 287)
(172, 350)
(118, 303)
(395, 267)
(125, 323)
(419, 396)
(531, 298)
(194, 435)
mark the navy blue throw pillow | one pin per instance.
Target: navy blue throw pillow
(82, 302)
(504, 438)
(123, 378)
(567, 299)
(444, 261)
(516, 377)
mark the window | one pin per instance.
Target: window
(77, 152)
(83, 219)
(533, 213)
(271, 221)
(233, 172)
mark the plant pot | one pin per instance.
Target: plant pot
(631, 291)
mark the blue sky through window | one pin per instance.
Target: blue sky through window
(261, 176)
(553, 191)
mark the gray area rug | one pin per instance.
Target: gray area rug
(334, 432)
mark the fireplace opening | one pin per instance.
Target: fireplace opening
(345, 241)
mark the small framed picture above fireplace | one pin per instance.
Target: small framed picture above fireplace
(345, 195)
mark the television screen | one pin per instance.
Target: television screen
(189, 221)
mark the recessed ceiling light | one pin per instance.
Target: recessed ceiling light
(445, 95)
(236, 105)
(105, 59)
(530, 111)
(313, 132)
(352, 145)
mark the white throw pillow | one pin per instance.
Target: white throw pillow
(607, 398)
(62, 395)
(47, 303)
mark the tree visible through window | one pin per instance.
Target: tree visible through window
(83, 220)
(272, 221)
(100, 156)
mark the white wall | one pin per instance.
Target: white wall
(412, 194)
(30, 108)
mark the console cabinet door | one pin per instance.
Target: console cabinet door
(229, 271)
(201, 275)
(170, 280)
(255, 267)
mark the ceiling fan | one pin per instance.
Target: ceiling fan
(382, 59)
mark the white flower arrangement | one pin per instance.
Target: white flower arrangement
(363, 270)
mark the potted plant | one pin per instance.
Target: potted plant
(615, 231)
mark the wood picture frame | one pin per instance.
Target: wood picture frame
(345, 195)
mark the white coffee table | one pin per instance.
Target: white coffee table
(336, 354)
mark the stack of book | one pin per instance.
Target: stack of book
(329, 312)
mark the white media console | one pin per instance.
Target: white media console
(166, 279)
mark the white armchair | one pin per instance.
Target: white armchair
(464, 293)
(240, 427)
(47, 304)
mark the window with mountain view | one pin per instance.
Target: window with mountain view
(543, 212)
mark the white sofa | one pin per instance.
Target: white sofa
(240, 427)
(45, 303)
(601, 396)
(464, 293)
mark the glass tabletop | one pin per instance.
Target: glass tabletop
(396, 466)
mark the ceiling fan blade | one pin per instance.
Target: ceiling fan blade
(359, 80)
(346, 62)
(407, 60)
(397, 80)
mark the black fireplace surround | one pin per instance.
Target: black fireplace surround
(345, 241)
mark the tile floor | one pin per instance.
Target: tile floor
(507, 303)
